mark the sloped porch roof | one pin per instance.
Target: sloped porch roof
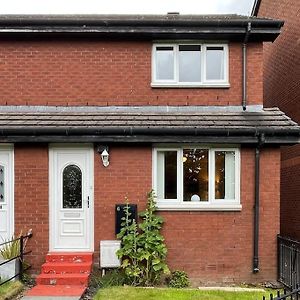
(189, 124)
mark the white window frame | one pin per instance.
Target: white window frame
(212, 204)
(213, 83)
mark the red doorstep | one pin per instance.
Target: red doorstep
(56, 290)
(63, 274)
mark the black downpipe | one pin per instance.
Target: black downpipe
(255, 8)
(244, 55)
(261, 140)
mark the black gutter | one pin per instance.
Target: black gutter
(141, 27)
(130, 139)
(191, 131)
(137, 20)
(244, 66)
(261, 141)
(129, 135)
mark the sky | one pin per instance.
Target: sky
(125, 6)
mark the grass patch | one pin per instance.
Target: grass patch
(130, 293)
(10, 289)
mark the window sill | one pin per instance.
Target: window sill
(198, 207)
(189, 86)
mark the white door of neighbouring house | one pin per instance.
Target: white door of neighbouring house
(71, 198)
(6, 192)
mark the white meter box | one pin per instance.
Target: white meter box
(108, 256)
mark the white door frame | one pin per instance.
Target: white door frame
(8, 149)
(54, 149)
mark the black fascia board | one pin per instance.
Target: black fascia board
(138, 33)
(249, 135)
(136, 20)
(245, 140)
(143, 28)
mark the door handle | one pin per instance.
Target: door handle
(88, 201)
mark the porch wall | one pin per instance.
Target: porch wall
(31, 199)
(211, 246)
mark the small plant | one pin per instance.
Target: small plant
(143, 252)
(10, 250)
(27, 279)
(115, 277)
(179, 280)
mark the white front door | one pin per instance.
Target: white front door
(71, 198)
(6, 192)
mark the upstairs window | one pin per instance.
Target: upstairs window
(190, 65)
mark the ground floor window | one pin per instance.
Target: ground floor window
(197, 177)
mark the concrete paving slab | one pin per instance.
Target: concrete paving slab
(230, 289)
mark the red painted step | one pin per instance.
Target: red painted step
(63, 279)
(66, 267)
(56, 290)
(75, 257)
(63, 274)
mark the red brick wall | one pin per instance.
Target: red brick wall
(281, 88)
(128, 175)
(210, 246)
(218, 246)
(108, 73)
(31, 199)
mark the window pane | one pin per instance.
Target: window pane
(195, 175)
(72, 187)
(189, 63)
(215, 63)
(167, 175)
(225, 175)
(164, 63)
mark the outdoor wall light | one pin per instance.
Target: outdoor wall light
(103, 151)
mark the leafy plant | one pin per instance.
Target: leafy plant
(129, 253)
(179, 280)
(153, 249)
(143, 252)
(11, 249)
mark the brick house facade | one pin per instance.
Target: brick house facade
(65, 88)
(282, 89)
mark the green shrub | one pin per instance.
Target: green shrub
(179, 280)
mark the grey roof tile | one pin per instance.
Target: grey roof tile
(122, 123)
(268, 117)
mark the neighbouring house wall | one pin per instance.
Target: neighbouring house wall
(90, 72)
(31, 199)
(281, 88)
(213, 247)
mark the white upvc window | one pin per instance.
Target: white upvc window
(197, 178)
(190, 65)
